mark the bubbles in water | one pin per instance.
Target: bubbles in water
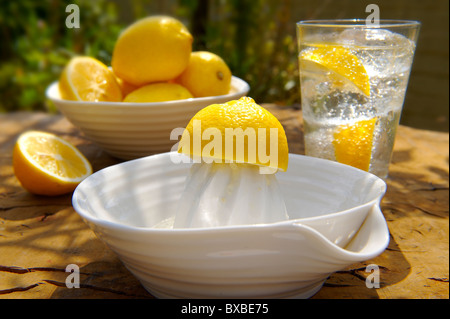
(387, 58)
(385, 52)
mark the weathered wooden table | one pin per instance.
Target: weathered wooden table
(40, 236)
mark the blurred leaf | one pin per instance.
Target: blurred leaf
(36, 44)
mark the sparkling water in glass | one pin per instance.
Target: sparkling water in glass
(333, 100)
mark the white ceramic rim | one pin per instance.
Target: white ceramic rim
(242, 89)
(118, 226)
(288, 223)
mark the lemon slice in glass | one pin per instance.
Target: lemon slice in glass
(353, 143)
(342, 62)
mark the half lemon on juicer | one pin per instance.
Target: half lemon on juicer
(232, 188)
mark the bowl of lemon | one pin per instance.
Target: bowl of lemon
(139, 105)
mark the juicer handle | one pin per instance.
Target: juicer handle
(370, 241)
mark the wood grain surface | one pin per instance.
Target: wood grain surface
(40, 236)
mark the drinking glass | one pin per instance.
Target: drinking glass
(353, 80)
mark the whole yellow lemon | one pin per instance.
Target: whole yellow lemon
(153, 49)
(158, 92)
(207, 74)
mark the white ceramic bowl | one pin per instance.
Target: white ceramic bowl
(335, 221)
(133, 130)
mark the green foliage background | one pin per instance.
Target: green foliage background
(257, 39)
(36, 44)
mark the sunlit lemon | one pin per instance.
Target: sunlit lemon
(46, 164)
(341, 62)
(353, 143)
(207, 74)
(247, 133)
(153, 49)
(158, 92)
(87, 79)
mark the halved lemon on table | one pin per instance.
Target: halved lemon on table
(46, 164)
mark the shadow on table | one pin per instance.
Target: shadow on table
(103, 280)
(422, 190)
(356, 281)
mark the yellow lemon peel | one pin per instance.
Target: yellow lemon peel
(353, 143)
(342, 62)
(238, 125)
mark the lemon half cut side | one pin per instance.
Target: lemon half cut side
(46, 164)
(87, 79)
